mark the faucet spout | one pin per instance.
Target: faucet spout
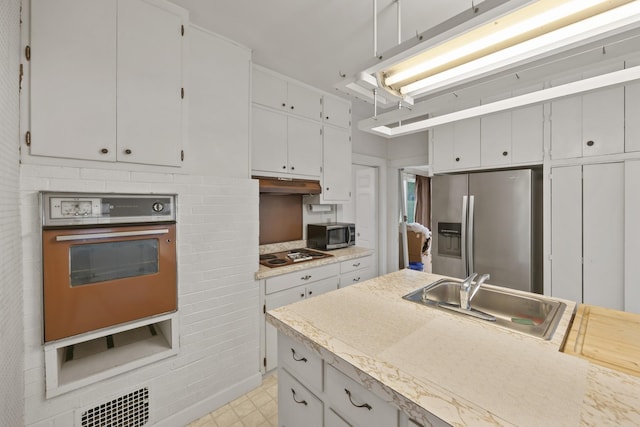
(467, 291)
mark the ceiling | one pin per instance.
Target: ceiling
(316, 41)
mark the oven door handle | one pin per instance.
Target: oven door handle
(71, 237)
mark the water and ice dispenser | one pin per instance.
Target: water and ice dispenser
(450, 239)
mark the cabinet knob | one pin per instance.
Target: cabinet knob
(293, 167)
(127, 151)
(310, 293)
(284, 167)
(284, 105)
(504, 153)
(457, 159)
(301, 295)
(104, 151)
(590, 143)
(326, 118)
(327, 188)
(292, 107)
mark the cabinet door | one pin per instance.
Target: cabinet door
(218, 122)
(304, 101)
(527, 127)
(268, 90)
(297, 406)
(304, 147)
(334, 420)
(466, 147)
(269, 146)
(495, 139)
(73, 79)
(603, 117)
(566, 128)
(272, 301)
(336, 161)
(149, 75)
(336, 112)
(322, 287)
(603, 235)
(632, 237)
(566, 233)
(442, 156)
(632, 112)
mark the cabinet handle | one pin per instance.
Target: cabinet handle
(301, 402)
(356, 265)
(104, 151)
(590, 143)
(307, 277)
(504, 153)
(127, 151)
(364, 405)
(302, 359)
(357, 279)
(457, 159)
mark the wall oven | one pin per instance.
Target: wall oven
(107, 259)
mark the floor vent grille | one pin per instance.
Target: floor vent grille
(130, 410)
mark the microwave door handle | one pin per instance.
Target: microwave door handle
(352, 236)
(72, 237)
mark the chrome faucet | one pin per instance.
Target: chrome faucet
(467, 291)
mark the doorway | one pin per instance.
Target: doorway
(416, 205)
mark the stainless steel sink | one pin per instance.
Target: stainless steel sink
(530, 314)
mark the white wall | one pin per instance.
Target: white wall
(217, 296)
(11, 307)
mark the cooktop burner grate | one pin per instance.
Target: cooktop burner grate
(280, 259)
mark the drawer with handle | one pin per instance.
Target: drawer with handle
(300, 361)
(301, 277)
(297, 406)
(355, 264)
(356, 404)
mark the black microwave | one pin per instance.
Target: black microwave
(333, 235)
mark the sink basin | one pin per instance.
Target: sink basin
(530, 314)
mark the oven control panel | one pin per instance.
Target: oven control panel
(59, 209)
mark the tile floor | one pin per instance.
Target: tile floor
(258, 408)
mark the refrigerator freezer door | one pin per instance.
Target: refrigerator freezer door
(447, 192)
(504, 227)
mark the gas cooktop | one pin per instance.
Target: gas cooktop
(294, 256)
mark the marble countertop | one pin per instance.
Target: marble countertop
(466, 372)
(339, 255)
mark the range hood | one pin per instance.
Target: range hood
(288, 186)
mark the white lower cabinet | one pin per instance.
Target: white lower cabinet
(334, 420)
(588, 233)
(356, 270)
(297, 406)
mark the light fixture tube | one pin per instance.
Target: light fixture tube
(521, 25)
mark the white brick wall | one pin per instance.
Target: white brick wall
(218, 297)
(11, 313)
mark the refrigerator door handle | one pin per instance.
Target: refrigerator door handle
(470, 243)
(463, 238)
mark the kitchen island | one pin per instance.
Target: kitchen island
(440, 368)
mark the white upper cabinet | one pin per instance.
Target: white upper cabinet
(73, 79)
(632, 112)
(336, 165)
(276, 92)
(336, 111)
(106, 80)
(285, 145)
(456, 146)
(591, 124)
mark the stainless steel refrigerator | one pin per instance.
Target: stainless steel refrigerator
(489, 222)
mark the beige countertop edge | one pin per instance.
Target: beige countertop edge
(608, 397)
(339, 255)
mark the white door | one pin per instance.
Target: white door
(73, 79)
(603, 235)
(149, 79)
(566, 233)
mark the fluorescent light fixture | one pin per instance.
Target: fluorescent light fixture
(615, 78)
(505, 34)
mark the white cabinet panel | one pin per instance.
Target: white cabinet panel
(456, 146)
(566, 233)
(566, 128)
(269, 147)
(336, 112)
(603, 235)
(632, 112)
(304, 142)
(495, 137)
(297, 406)
(301, 362)
(268, 89)
(334, 420)
(632, 237)
(73, 79)
(149, 84)
(527, 127)
(304, 101)
(218, 114)
(336, 160)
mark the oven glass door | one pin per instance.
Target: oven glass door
(94, 278)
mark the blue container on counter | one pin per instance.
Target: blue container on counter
(416, 266)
